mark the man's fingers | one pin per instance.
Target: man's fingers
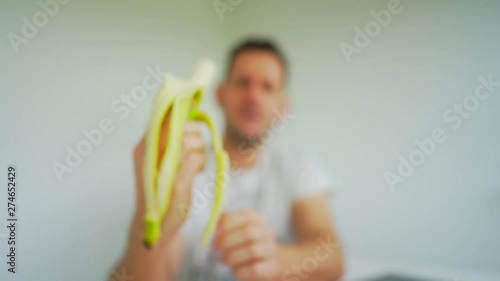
(258, 270)
(191, 127)
(192, 160)
(140, 147)
(192, 144)
(139, 165)
(235, 219)
(180, 200)
(242, 235)
(190, 165)
(250, 252)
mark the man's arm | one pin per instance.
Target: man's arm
(317, 253)
(162, 261)
(249, 247)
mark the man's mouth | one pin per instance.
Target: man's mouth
(251, 114)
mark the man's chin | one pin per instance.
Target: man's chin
(252, 132)
(250, 136)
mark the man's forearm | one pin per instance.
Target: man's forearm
(160, 263)
(140, 264)
(311, 259)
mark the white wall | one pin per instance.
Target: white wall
(65, 80)
(362, 115)
(359, 116)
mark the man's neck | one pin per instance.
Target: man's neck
(242, 154)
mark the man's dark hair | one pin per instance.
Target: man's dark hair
(257, 45)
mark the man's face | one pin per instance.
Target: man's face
(252, 96)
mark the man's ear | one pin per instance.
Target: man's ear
(219, 94)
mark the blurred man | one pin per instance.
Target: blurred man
(276, 224)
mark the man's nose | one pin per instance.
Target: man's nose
(254, 94)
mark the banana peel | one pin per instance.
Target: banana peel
(181, 99)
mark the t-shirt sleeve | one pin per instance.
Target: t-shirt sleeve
(308, 176)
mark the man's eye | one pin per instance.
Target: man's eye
(242, 84)
(268, 89)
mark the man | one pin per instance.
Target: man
(276, 224)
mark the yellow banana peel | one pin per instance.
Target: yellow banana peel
(181, 99)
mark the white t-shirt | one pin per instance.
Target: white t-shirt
(279, 177)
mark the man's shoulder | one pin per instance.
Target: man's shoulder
(303, 169)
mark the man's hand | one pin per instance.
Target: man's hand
(192, 161)
(248, 245)
(162, 261)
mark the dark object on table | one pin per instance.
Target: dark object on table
(397, 277)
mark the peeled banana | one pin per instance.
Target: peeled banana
(181, 99)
